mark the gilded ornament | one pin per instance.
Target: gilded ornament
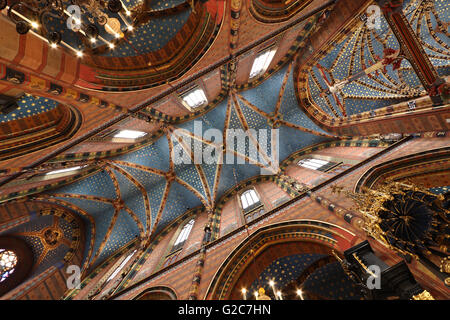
(424, 295)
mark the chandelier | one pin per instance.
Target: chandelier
(98, 23)
(260, 294)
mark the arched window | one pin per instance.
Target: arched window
(251, 205)
(8, 262)
(179, 243)
(184, 234)
(120, 267)
(262, 62)
(249, 198)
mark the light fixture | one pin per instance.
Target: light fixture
(53, 45)
(54, 38)
(113, 26)
(92, 31)
(22, 27)
(115, 6)
(79, 54)
(130, 134)
(93, 40)
(111, 45)
(85, 18)
(272, 285)
(300, 293)
(244, 293)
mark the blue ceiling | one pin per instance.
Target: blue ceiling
(364, 47)
(150, 167)
(332, 283)
(440, 190)
(28, 106)
(45, 255)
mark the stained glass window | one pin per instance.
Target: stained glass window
(8, 261)
(130, 134)
(179, 243)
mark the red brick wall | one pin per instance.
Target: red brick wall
(158, 252)
(11, 214)
(350, 153)
(49, 285)
(230, 217)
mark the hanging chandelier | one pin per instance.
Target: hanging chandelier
(260, 294)
(95, 22)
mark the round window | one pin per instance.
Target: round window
(8, 262)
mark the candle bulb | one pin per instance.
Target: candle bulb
(244, 291)
(279, 295)
(272, 285)
(300, 294)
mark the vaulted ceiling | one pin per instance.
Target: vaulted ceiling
(141, 192)
(136, 189)
(350, 77)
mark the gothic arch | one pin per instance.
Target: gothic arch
(49, 239)
(296, 236)
(41, 130)
(429, 168)
(275, 11)
(24, 262)
(157, 293)
(354, 85)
